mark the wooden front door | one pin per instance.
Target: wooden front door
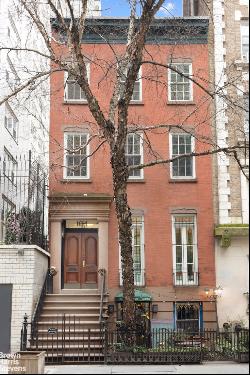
(80, 260)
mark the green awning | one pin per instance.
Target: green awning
(139, 296)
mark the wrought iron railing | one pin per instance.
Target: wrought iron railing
(70, 340)
(102, 273)
(23, 201)
(46, 289)
(186, 278)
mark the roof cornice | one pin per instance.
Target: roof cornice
(180, 30)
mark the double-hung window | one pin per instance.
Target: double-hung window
(73, 91)
(138, 251)
(245, 42)
(180, 87)
(182, 167)
(137, 93)
(134, 154)
(185, 255)
(11, 122)
(76, 156)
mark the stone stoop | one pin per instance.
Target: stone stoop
(69, 326)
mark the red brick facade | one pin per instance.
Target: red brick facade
(157, 195)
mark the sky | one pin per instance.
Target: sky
(120, 8)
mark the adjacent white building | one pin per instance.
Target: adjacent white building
(229, 46)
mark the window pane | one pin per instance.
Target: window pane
(190, 254)
(71, 90)
(178, 240)
(189, 167)
(178, 254)
(175, 168)
(83, 97)
(136, 92)
(77, 92)
(179, 96)
(182, 167)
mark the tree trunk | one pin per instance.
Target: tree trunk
(123, 213)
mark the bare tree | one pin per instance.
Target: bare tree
(112, 123)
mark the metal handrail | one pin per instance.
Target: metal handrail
(47, 288)
(102, 273)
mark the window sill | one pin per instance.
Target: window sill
(188, 180)
(179, 102)
(77, 181)
(134, 102)
(75, 102)
(137, 180)
(186, 286)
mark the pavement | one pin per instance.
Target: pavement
(205, 368)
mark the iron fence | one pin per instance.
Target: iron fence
(23, 201)
(67, 338)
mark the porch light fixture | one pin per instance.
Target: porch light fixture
(218, 291)
(215, 293)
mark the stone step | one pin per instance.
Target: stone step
(87, 324)
(76, 297)
(69, 319)
(69, 310)
(68, 347)
(66, 303)
(80, 291)
(67, 339)
(81, 332)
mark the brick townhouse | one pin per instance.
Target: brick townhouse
(172, 205)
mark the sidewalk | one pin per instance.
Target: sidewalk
(205, 368)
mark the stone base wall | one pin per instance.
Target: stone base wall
(232, 273)
(24, 267)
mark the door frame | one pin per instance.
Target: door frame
(76, 230)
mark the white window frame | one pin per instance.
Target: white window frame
(13, 129)
(81, 100)
(171, 156)
(244, 32)
(190, 83)
(65, 176)
(141, 281)
(139, 79)
(141, 154)
(184, 271)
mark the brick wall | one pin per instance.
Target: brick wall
(25, 268)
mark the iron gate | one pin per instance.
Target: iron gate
(65, 339)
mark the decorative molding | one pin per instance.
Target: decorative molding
(226, 232)
(80, 206)
(188, 30)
